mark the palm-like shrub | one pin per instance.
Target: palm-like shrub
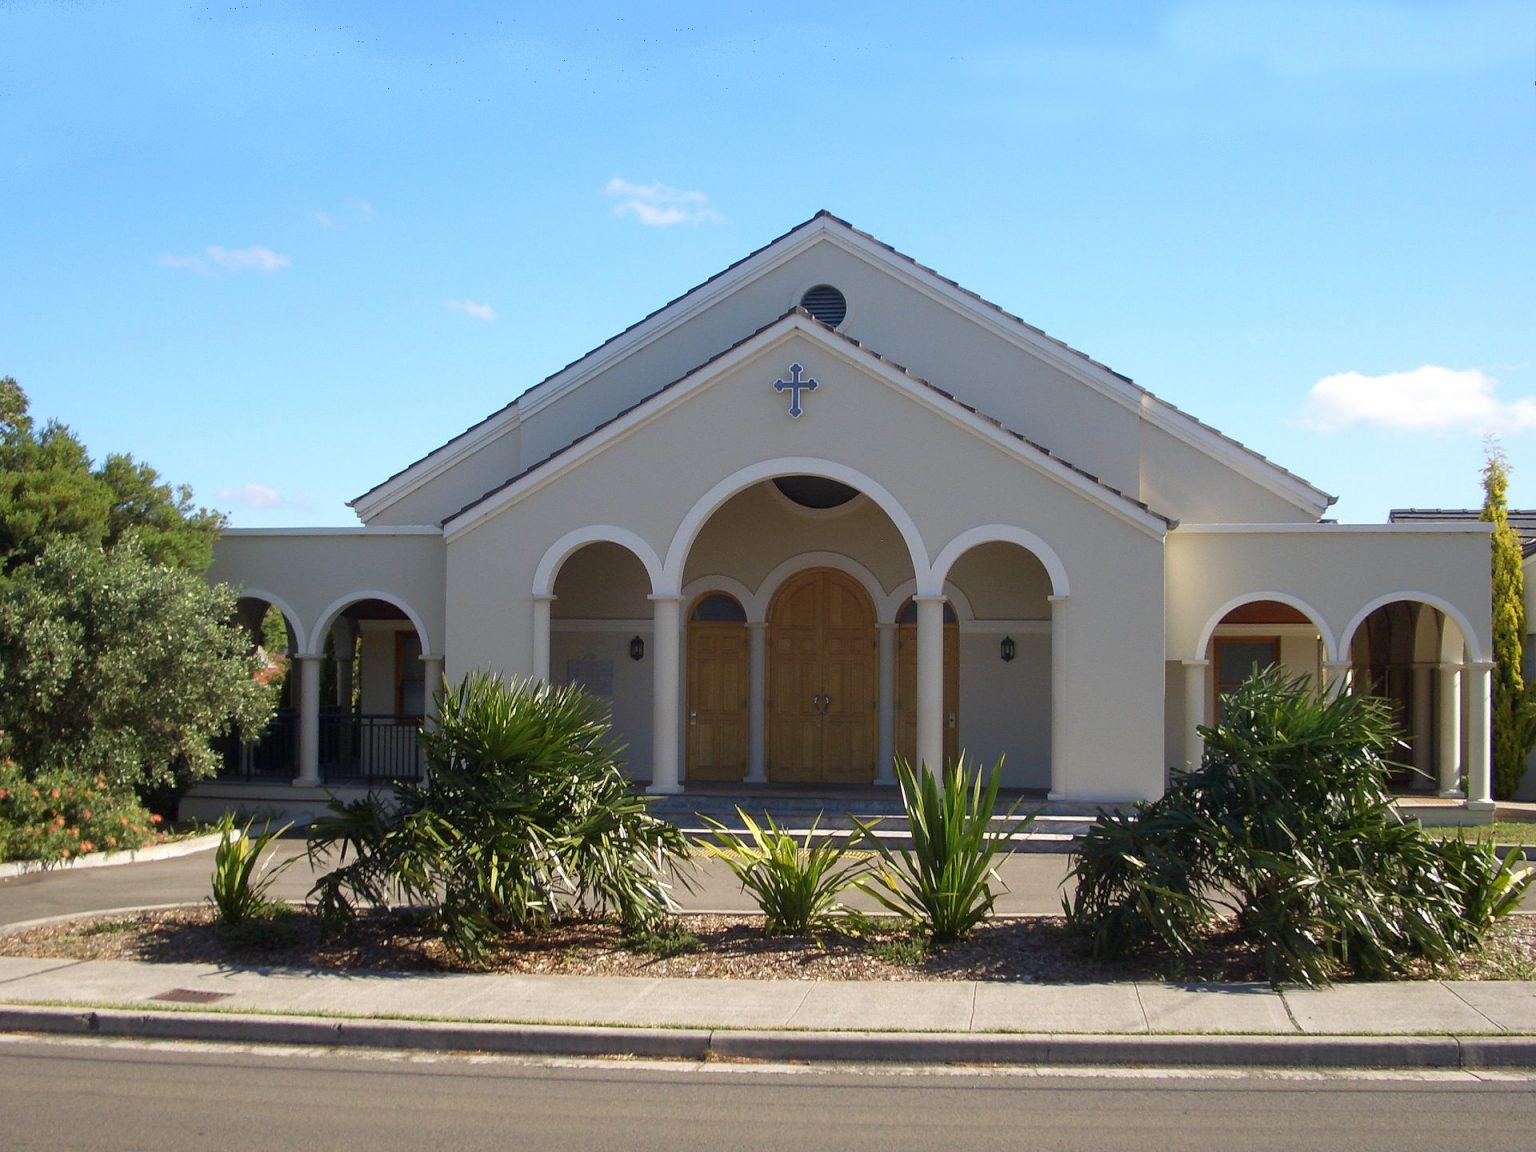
(1287, 827)
(796, 882)
(944, 883)
(524, 818)
(241, 879)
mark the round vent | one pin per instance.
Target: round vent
(825, 303)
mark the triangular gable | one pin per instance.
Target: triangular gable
(797, 320)
(825, 226)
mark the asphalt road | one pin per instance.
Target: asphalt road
(88, 1096)
(1033, 886)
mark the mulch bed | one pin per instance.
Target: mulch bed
(1032, 949)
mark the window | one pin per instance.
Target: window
(1238, 658)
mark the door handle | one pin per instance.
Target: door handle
(693, 717)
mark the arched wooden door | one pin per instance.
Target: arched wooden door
(717, 689)
(823, 693)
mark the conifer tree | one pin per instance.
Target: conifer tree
(1514, 711)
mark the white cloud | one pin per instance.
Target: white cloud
(261, 496)
(324, 219)
(471, 308)
(660, 205)
(239, 259)
(1427, 399)
(354, 211)
(230, 259)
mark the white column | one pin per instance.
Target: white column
(309, 722)
(1450, 731)
(666, 686)
(540, 669)
(757, 701)
(930, 682)
(886, 773)
(1060, 775)
(1480, 736)
(1423, 728)
(1194, 710)
(1336, 677)
(432, 681)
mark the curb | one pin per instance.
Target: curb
(1447, 1053)
(169, 851)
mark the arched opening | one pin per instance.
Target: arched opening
(272, 753)
(823, 681)
(1002, 669)
(1395, 653)
(601, 639)
(761, 540)
(718, 689)
(373, 693)
(1256, 635)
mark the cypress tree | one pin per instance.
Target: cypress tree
(1514, 717)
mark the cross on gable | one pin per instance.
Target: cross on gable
(794, 386)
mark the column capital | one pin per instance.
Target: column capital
(1053, 598)
(1481, 665)
(887, 625)
(1339, 665)
(1195, 663)
(544, 597)
(757, 625)
(665, 598)
(930, 598)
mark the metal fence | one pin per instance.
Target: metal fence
(355, 748)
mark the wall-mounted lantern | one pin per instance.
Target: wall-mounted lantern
(1009, 649)
(637, 649)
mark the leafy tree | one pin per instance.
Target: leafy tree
(1514, 711)
(116, 666)
(50, 490)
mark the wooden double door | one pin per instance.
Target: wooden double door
(823, 681)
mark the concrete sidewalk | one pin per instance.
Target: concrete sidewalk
(1399, 1025)
(1420, 1025)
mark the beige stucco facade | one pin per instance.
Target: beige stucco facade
(1023, 555)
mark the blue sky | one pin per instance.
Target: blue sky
(280, 251)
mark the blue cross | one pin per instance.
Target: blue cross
(794, 386)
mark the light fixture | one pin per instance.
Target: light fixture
(637, 649)
(1009, 649)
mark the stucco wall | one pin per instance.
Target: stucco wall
(313, 574)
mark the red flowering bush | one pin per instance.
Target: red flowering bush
(58, 816)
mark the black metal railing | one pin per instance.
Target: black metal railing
(355, 748)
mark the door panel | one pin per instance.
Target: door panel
(717, 701)
(822, 691)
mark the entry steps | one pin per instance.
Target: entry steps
(1050, 832)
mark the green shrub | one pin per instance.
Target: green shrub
(524, 818)
(796, 883)
(59, 816)
(241, 880)
(944, 882)
(1288, 829)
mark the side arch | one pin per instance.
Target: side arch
(756, 611)
(989, 534)
(1445, 607)
(708, 504)
(890, 611)
(560, 551)
(339, 605)
(295, 621)
(1330, 648)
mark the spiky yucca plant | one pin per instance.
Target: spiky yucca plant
(796, 882)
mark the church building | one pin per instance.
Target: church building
(829, 508)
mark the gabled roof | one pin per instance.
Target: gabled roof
(824, 224)
(798, 319)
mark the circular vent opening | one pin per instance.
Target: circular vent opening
(815, 491)
(825, 303)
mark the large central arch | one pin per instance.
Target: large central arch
(708, 504)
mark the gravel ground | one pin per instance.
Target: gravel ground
(1025, 949)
